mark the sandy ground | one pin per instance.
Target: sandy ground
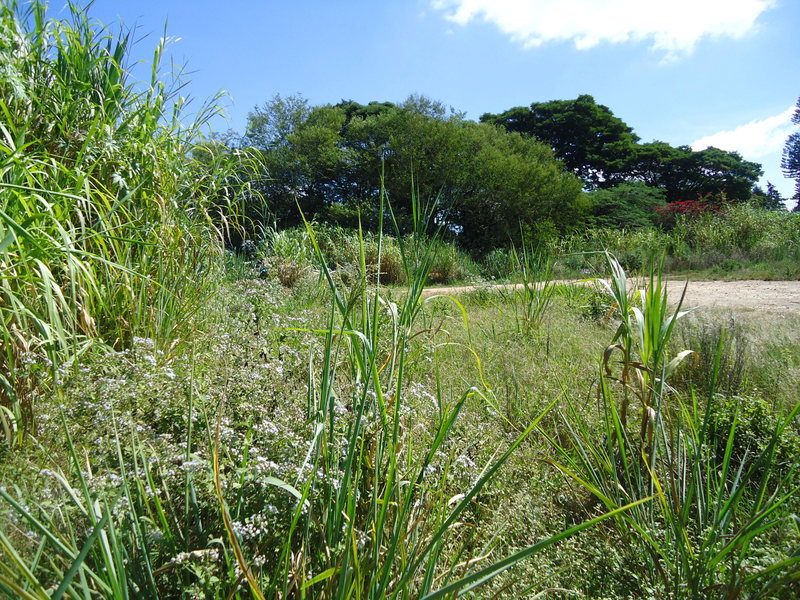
(755, 295)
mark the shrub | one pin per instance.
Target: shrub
(672, 213)
(451, 264)
(391, 262)
(499, 264)
(722, 351)
(728, 238)
(754, 422)
(626, 206)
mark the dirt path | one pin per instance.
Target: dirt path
(757, 295)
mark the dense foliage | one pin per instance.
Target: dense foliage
(741, 241)
(495, 183)
(105, 221)
(628, 205)
(591, 141)
(604, 151)
(490, 187)
(177, 421)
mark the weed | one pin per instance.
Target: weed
(698, 537)
(109, 230)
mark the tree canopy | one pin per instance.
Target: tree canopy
(513, 176)
(492, 187)
(604, 151)
(628, 205)
(770, 199)
(587, 136)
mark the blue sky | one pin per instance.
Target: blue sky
(718, 72)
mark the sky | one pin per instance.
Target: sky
(700, 72)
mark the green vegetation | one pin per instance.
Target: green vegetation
(491, 188)
(288, 256)
(740, 241)
(106, 223)
(298, 419)
(628, 206)
(603, 151)
(591, 141)
(512, 180)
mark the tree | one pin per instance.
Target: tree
(686, 175)
(604, 151)
(628, 205)
(771, 199)
(300, 155)
(492, 187)
(270, 125)
(353, 109)
(790, 161)
(591, 141)
(715, 171)
(659, 165)
(509, 189)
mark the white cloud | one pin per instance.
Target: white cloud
(754, 140)
(761, 141)
(672, 26)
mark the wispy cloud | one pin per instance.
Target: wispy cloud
(753, 140)
(672, 26)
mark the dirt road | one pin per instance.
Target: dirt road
(757, 295)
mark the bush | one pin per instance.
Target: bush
(755, 422)
(451, 264)
(340, 248)
(499, 264)
(722, 352)
(628, 206)
(730, 239)
(391, 261)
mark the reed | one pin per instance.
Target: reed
(697, 538)
(108, 228)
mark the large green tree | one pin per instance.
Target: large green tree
(586, 136)
(715, 171)
(685, 174)
(605, 152)
(491, 187)
(790, 162)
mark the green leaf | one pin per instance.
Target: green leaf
(76, 564)
(327, 574)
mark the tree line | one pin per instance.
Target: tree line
(527, 174)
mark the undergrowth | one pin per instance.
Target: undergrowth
(742, 241)
(183, 422)
(108, 229)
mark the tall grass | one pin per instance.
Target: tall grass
(534, 294)
(741, 238)
(106, 229)
(289, 254)
(714, 506)
(374, 518)
(370, 512)
(112, 223)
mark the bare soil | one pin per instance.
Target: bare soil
(753, 295)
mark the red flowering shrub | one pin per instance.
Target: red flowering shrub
(670, 214)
